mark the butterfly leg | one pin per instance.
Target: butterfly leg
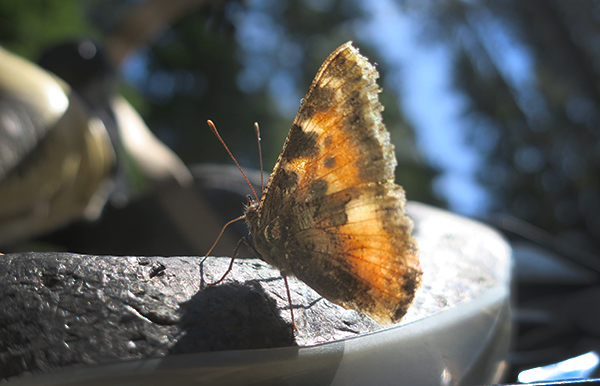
(287, 287)
(252, 248)
(289, 296)
(233, 256)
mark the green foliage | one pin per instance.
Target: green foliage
(26, 27)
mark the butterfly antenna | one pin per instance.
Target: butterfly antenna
(216, 133)
(257, 131)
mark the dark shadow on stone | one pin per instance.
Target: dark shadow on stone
(256, 282)
(232, 317)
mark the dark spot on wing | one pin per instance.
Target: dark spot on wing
(317, 189)
(338, 219)
(287, 181)
(320, 99)
(330, 162)
(331, 209)
(411, 281)
(300, 144)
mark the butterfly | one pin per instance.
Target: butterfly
(331, 214)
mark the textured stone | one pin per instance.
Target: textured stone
(59, 309)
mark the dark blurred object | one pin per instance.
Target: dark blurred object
(557, 296)
(61, 145)
(68, 147)
(80, 64)
(84, 66)
(56, 159)
(169, 221)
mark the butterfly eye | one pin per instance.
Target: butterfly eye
(250, 200)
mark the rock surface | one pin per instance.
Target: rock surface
(61, 309)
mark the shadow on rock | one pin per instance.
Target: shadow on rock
(232, 317)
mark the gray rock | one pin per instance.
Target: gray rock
(59, 309)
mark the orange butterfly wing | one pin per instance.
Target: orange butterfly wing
(331, 214)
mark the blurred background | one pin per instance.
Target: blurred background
(493, 106)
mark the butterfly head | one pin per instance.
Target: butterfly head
(251, 211)
(251, 205)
